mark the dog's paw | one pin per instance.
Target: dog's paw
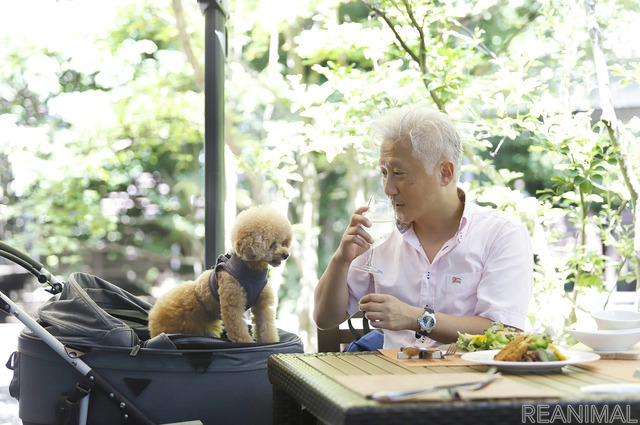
(270, 335)
(241, 339)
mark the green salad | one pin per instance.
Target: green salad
(495, 337)
(545, 349)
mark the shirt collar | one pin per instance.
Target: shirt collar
(466, 213)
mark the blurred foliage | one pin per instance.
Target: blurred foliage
(102, 132)
(105, 158)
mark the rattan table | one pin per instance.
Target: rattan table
(304, 387)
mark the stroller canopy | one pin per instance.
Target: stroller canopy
(93, 312)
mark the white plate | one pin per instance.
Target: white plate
(486, 358)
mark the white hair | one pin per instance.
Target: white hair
(431, 133)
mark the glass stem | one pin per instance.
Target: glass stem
(370, 258)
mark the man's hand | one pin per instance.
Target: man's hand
(387, 312)
(331, 294)
(355, 240)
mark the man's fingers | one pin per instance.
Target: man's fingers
(373, 298)
(361, 210)
(359, 240)
(360, 232)
(372, 307)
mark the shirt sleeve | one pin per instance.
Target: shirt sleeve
(504, 292)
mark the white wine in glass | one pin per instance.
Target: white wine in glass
(380, 230)
(382, 216)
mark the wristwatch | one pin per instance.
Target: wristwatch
(426, 322)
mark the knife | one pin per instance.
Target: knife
(452, 388)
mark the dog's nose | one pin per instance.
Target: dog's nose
(285, 256)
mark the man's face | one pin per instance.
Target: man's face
(406, 181)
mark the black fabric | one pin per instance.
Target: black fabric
(14, 364)
(137, 385)
(365, 328)
(252, 281)
(79, 314)
(91, 312)
(68, 406)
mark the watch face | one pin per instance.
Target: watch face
(427, 322)
(430, 322)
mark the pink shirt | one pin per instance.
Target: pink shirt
(485, 270)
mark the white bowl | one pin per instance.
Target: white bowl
(617, 319)
(608, 340)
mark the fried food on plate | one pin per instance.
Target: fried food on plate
(530, 348)
(515, 350)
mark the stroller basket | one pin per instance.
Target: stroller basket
(170, 378)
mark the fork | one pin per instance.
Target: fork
(451, 349)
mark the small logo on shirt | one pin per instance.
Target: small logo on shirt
(455, 279)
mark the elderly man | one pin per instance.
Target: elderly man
(450, 266)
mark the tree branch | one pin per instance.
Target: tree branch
(610, 121)
(386, 19)
(421, 63)
(186, 46)
(418, 28)
(531, 16)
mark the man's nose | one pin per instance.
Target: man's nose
(390, 187)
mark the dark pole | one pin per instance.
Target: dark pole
(215, 17)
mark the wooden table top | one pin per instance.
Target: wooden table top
(313, 381)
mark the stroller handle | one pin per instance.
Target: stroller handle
(21, 255)
(32, 265)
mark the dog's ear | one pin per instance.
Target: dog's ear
(240, 247)
(248, 245)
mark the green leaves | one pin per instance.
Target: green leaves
(102, 134)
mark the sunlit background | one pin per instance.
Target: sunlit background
(101, 134)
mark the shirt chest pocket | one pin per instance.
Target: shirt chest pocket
(462, 290)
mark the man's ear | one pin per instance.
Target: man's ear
(446, 172)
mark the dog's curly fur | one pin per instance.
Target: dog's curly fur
(261, 236)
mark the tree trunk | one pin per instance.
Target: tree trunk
(616, 136)
(306, 255)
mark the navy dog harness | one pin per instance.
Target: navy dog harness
(252, 281)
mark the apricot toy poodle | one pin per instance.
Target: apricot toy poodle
(260, 237)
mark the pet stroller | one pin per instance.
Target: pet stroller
(88, 359)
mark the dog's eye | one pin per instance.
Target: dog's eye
(273, 245)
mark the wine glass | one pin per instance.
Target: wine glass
(382, 215)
